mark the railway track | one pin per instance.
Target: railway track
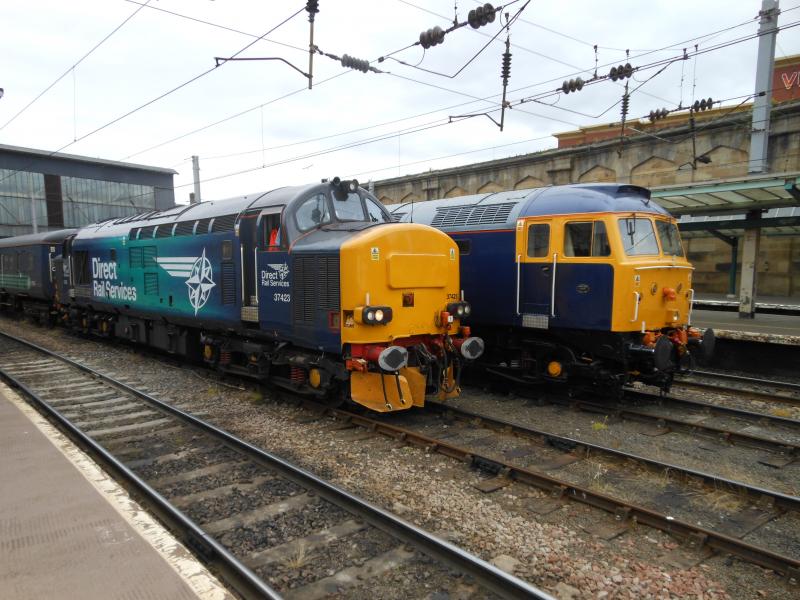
(778, 435)
(502, 471)
(767, 390)
(269, 528)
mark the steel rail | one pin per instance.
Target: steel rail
(558, 488)
(778, 499)
(714, 409)
(234, 572)
(753, 380)
(486, 574)
(767, 396)
(632, 413)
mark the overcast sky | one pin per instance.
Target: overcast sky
(283, 122)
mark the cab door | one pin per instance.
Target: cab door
(537, 270)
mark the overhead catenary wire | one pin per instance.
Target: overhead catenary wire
(75, 64)
(157, 98)
(485, 99)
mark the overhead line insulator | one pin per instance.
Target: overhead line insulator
(657, 115)
(483, 15)
(431, 37)
(573, 85)
(358, 64)
(312, 7)
(701, 105)
(620, 72)
(505, 70)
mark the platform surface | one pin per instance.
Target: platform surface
(786, 325)
(68, 531)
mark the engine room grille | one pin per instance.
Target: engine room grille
(149, 257)
(228, 283)
(315, 286)
(223, 223)
(151, 284)
(202, 226)
(185, 228)
(164, 230)
(136, 258)
(481, 214)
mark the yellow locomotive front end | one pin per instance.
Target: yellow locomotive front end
(654, 294)
(402, 312)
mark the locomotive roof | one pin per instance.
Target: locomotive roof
(499, 210)
(204, 210)
(47, 237)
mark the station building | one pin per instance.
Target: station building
(698, 171)
(46, 191)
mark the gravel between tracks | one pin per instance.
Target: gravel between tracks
(551, 550)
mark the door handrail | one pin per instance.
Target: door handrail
(519, 267)
(553, 288)
(691, 305)
(636, 307)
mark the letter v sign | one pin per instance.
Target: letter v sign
(788, 82)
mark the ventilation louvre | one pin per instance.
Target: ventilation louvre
(136, 258)
(151, 284)
(164, 230)
(202, 226)
(228, 283)
(149, 254)
(185, 228)
(315, 287)
(481, 214)
(223, 224)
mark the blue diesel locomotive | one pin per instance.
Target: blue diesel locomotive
(313, 287)
(580, 283)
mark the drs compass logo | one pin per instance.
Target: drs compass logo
(198, 274)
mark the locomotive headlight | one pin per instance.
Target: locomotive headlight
(374, 315)
(459, 310)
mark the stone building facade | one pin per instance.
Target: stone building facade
(664, 152)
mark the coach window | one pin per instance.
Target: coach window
(313, 212)
(538, 240)
(638, 236)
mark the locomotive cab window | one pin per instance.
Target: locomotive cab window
(538, 240)
(586, 239)
(312, 213)
(376, 212)
(669, 238)
(349, 209)
(638, 236)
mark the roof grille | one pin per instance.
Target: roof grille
(481, 214)
(164, 230)
(185, 228)
(488, 214)
(223, 223)
(202, 226)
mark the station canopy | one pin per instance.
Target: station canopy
(723, 205)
